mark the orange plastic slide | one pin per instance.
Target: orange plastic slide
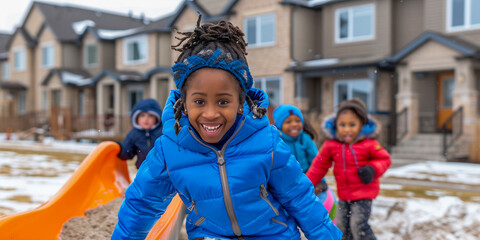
(100, 178)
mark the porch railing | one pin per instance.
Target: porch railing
(455, 123)
(402, 124)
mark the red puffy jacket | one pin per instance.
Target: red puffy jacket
(349, 185)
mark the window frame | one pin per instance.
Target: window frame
(350, 38)
(371, 101)
(22, 62)
(467, 17)
(22, 102)
(129, 90)
(47, 55)
(258, 30)
(263, 85)
(142, 40)
(87, 55)
(5, 71)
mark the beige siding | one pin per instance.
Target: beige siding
(379, 46)
(304, 34)
(25, 77)
(46, 38)
(34, 21)
(407, 22)
(106, 55)
(164, 55)
(88, 39)
(432, 56)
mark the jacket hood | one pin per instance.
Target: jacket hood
(148, 105)
(370, 130)
(248, 123)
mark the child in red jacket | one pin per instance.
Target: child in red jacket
(359, 163)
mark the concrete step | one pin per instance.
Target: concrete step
(417, 156)
(418, 149)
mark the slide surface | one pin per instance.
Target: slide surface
(100, 178)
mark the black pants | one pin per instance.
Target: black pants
(352, 219)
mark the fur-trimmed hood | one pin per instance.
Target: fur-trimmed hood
(370, 130)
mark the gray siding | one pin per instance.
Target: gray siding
(303, 34)
(407, 22)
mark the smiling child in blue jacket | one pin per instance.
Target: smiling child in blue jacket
(219, 153)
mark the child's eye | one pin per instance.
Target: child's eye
(223, 102)
(353, 125)
(342, 125)
(199, 102)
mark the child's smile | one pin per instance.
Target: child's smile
(212, 102)
(292, 126)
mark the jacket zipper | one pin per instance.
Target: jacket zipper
(263, 195)
(148, 138)
(223, 176)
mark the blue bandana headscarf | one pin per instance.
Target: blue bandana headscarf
(212, 59)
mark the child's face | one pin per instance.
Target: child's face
(146, 120)
(292, 126)
(212, 102)
(348, 126)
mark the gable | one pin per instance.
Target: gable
(34, 21)
(187, 20)
(213, 7)
(18, 40)
(432, 50)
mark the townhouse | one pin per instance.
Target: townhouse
(414, 63)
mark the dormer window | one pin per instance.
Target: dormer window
(355, 23)
(135, 50)
(91, 55)
(463, 15)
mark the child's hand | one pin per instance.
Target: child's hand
(321, 187)
(366, 173)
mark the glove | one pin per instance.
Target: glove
(321, 187)
(366, 174)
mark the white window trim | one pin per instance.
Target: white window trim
(350, 38)
(467, 18)
(259, 44)
(142, 39)
(47, 45)
(263, 85)
(85, 50)
(23, 64)
(370, 104)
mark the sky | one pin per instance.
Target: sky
(13, 13)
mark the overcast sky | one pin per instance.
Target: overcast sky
(13, 13)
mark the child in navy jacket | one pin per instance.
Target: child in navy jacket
(147, 127)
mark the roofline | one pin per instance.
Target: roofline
(428, 36)
(315, 71)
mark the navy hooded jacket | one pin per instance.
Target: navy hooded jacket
(139, 141)
(252, 188)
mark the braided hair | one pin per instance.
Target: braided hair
(203, 41)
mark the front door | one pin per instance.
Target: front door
(445, 86)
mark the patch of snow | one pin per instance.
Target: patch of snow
(113, 34)
(79, 80)
(80, 26)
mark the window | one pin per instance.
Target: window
(44, 99)
(354, 23)
(5, 71)
(463, 14)
(272, 86)
(22, 102)
(134, 95)
(91, 55)
(19, 60)
(57, 98)
(260, 30)
(81, 107)
(358, 88)
(135, 50)
(48, 56)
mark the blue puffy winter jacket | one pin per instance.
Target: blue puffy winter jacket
(253, 188)
(140, 141)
